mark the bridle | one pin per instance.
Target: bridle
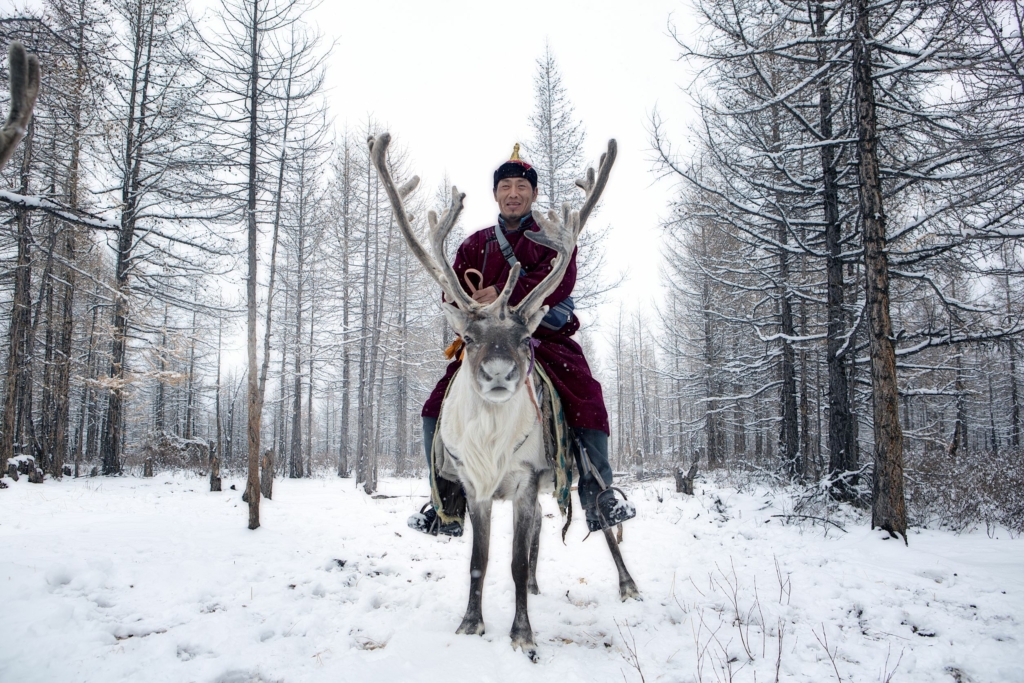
(534, 342)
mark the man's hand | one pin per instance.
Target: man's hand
(486, 295)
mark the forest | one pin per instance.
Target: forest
(840, 263)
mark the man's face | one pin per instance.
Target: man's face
(515, 197)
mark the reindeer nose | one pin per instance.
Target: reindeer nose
(500, 369)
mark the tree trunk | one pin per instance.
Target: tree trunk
(841, 459)
(218, 449)
(961, 403)
(189, 398)
(309, 391)
(62, 365)
(111, 443)
(90, 402)
(401, 408)
(789, 436)
(364, 339)
(888, 509)
(803, 466)
(281, 423)
(21, 320)
(254, 401)
(1014, 394)
(295, 451)
(346, 355)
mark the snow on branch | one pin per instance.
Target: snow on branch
(68, 215)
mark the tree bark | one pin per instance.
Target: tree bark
(888, 510)
(346, 354)
(295, 450)
(218, 450)
(21, 320)
(255, 407)
(1014, 394)
(309, 391)
(842, 459)
(789, 431)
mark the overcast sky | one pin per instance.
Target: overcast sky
(453, 82)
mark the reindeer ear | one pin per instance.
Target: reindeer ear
(534, 322)
(457, 318)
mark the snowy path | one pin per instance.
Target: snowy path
(158, 580)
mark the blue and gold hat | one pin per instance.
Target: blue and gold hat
(515, 168)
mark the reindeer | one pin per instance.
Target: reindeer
(490, 426)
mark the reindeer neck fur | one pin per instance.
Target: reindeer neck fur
(484, 436)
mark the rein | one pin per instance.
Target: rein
(534, 343)
(458, 347)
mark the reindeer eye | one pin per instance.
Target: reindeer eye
(467, 340)
(525, 341)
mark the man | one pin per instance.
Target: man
(491, 252)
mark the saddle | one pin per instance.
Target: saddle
(446, 493)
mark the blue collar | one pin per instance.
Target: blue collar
(524, 223)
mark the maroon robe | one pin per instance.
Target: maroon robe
(561, 357)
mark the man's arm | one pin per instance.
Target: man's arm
(538, 264)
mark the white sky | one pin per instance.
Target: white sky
(453, 82)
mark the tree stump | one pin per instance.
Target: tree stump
(214, 471)
(36, 476)
(12, 471)
(147, 468)
(67, 470)
(684, 482)
(27, 466)
(267, 474)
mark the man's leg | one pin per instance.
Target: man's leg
(602, 509)
(429, 427)
(426, 520)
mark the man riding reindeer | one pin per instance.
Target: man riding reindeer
(482, 264)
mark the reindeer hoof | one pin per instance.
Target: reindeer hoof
(471, 627)
(627, 590)
(533, 588)
(524, 641)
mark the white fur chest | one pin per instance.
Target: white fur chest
(492, 445)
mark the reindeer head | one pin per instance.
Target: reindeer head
(497, 335)
(497, 339)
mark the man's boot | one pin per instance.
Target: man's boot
(453, 497)
(603, 508)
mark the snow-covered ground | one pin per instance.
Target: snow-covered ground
(158, 580)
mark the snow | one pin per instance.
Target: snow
(127, 579)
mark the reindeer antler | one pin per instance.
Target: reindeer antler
(437, 266)
(24, 77)
(560, 234)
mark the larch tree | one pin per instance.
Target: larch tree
(250, 56)
(556, 150)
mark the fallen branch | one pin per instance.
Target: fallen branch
(816, 519)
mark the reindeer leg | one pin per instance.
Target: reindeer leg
(525, 513)
(534, 548)
(480, 515)
(627, 589)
